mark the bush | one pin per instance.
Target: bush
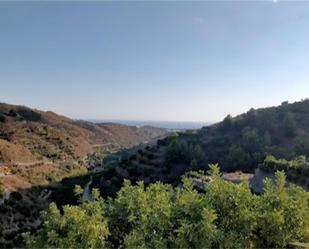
(162, 142)
(289, 124)
(83, 226)
(2, 118)
(298, 165)
(301, 146)
(12, 113)
(133, 157)
(282, 214)
(151, 156)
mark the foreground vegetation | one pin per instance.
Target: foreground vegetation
(223, 215)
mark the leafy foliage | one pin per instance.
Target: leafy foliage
(224, 215)
(235, 206)
(296, 169)
(301, 146)
(283, 213)
(82, 226)
(181, 150)
(193, 219)
(289, 124)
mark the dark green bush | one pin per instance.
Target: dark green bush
(2, 118)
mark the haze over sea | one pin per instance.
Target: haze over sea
(169, 125)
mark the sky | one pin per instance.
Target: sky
(153, 60)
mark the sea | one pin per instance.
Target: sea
(168, 125)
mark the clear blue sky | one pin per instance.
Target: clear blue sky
(189, 61)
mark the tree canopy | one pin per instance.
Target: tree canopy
(222, 215)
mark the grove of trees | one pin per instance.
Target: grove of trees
(243, 142)
(182, 151)
(222, 215)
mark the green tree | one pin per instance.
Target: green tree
(267, 138)
(173, 135)
(196, 156)
(141, 217)
(251, 141)
(301, 146)
(82, 226)
(227, 123)
(289, 124)
(235, 209)
(238, 157)
(153, 219)
(220, 215)
(282, 214)
(251, 116)
(193, 219)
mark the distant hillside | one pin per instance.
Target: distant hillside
(168, 125)
(244, 141)
(42, 146)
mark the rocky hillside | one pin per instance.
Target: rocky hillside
(41, 147)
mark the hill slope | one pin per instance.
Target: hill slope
(43, 146)
(242, 142)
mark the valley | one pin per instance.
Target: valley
(154, 124)
(44, 157)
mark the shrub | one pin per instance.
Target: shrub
(2, 118)
(83, 226)
(301, 146)
(282, 214)
(133, 157)
(289, 124)
(299, 165)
